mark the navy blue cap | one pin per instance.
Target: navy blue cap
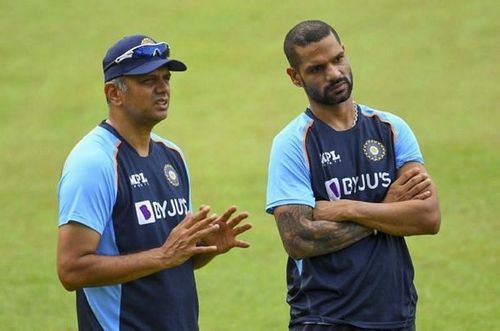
(135, 66)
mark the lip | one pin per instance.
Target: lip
(162, 103)
(338, 86)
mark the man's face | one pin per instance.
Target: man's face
(324, 71)
(147, 97)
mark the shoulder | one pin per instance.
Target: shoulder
(95, 151)
(166, 143)
(397, 123)
(295, 131)
(382, 115)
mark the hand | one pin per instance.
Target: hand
(411, 185)
(181, 244)
(225, 237)
(331, 210)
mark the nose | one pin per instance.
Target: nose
(333, 72)
(163, 86)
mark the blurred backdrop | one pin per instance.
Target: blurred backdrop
(435, 63)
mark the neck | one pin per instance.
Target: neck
(340, 117)
(138, 137)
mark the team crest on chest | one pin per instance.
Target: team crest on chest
(374, 150)
(171, 175)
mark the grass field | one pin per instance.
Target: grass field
(435, 63)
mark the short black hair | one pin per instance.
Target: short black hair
(303, 34)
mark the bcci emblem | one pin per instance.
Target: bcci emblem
(171, 175)
(373, 150)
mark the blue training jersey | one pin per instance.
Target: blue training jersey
(133, 202)
(370, 283)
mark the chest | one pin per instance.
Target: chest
(355, 164)
(153, 197)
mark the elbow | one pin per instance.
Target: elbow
(296, 255)
(68, 283)
(68, 279)
(295, 250)
(433, 223)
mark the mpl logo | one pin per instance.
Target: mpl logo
(138, 180)
(330, 157)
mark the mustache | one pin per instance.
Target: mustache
(340, 80)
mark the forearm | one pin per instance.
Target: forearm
(405, 218)
(323, 237)
(98, 270)
(303, 238)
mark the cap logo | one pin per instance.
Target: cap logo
(147, 41)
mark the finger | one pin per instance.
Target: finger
(227, 214)
(419, 188)
(241, 244)
(201, 214)
(236, 220)
(204, 249)
(408, 175)
(240, 229)
(422, 196)
(203, 232)
(415, 180)
(202, 224)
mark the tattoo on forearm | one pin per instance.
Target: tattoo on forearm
(303, 237)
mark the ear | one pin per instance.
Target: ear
(113, 94)
(294, 76)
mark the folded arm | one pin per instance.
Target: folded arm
(302, 237)
(418, 215)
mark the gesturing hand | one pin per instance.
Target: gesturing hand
(412, 184)
(224, 238)
(181, 244)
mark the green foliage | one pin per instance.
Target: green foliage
(433, 63)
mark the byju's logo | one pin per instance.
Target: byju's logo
(338, 187)
(144, 211)
(333, 189)
(138, 180)
(152, 211)
(330, 157)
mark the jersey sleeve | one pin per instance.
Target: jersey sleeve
(87, 189)
(406, 145)
(288, 174)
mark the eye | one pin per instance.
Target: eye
(148, 81)
(314, 69)
(339, 58)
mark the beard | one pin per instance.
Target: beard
(328, 96)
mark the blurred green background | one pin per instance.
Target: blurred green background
(435, 63)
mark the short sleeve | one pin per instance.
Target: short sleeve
(288, 174)
(406, 144)
(87, 189)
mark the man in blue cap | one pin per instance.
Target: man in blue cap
(128, 241)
